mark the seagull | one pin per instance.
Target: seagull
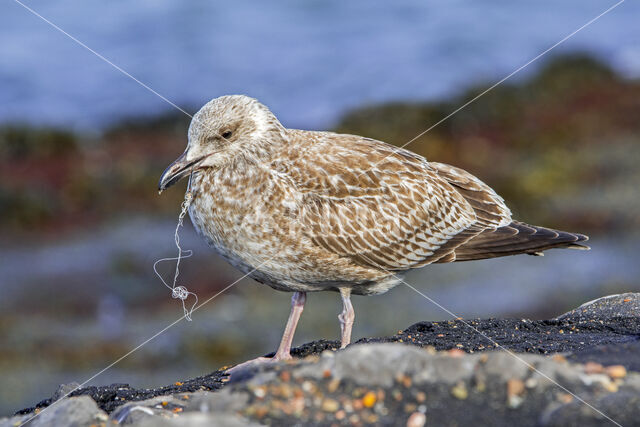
(306, 211)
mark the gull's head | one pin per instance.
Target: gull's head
(225, 127)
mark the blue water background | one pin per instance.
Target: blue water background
(308, 60)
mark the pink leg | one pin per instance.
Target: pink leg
(346, 317)
(297, 305)
(284, 349)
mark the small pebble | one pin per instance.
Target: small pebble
(330, 405)
(593, 368)
(369, 399)
(455, 352)
(405, 380)
(261, 411)
(333, 385)
(417, 419)
(460, 391)
(616, 371)
(285, 376)
(357, 404)
(347, 406)
(559, 358)
(430, 349)
(565, 398)
(372, 419)
(515, 387)
(260, 392)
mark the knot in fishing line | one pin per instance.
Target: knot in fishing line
(180, 292)
(188, 197)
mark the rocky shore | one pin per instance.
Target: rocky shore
(581, 368)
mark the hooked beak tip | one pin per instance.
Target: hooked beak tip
(176, 171)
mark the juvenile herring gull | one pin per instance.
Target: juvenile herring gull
(305, 211)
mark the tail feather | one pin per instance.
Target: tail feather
(517, 238)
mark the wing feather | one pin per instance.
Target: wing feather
(490, 208)
(379, 205)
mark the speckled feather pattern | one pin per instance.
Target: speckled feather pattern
(319, 210)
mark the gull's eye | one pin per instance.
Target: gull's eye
(227, 134)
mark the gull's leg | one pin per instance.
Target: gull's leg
(297, 305)
(346, 317)
(284, 349)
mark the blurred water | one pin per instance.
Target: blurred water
(309, 60)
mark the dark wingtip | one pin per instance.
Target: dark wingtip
(579, 246)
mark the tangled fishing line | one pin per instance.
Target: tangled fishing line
(180, 292)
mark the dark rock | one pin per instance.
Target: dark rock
(609, 307)
(484, 386)
(114, 395)
(64, 390)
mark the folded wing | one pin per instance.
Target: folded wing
(388, 208)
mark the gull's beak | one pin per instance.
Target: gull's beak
(177, 170)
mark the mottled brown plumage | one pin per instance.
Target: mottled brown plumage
(309, 211)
